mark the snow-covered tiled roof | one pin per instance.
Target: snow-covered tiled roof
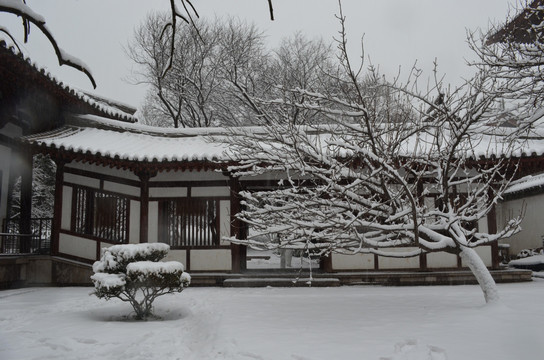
(131, 142)
(103, 106)
(526, 183)
(95, 135)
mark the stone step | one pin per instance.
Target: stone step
(281, 282)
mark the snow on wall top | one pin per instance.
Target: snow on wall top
(107, 107)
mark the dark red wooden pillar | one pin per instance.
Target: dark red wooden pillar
(492, 229)
(25, 227)
(144, 205)
(325, 263)
(57, 208)
(237, 228)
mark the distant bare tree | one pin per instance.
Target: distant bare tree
(195, 91)
(301, 63)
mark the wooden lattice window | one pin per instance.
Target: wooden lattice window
(189, 222)
(101, 214)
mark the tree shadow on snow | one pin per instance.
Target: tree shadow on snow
(124, 313)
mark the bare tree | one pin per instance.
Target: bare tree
(366, 184)
(513, 54)
(195, 91)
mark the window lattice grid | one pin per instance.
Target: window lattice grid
(101, 214)
(189, 222)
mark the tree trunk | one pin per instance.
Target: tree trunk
(482, 274)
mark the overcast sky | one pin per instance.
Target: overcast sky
(396, 32)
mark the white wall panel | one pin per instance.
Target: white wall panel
(211, 260)
(177, 255)
(441, 260)
(76, 246)
(158, 192)
(353, 262)
(121, 188)
(134, 231)
(210, 191)
(153, 222)
(66, 214)
(398, 263)
(82, 180)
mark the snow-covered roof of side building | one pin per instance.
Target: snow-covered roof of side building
(525, 184)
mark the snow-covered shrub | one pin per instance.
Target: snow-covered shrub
(134, 273)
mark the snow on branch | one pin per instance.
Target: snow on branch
(20, 8)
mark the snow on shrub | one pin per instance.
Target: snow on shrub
(134, 273)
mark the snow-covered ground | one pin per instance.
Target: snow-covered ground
(364, 322)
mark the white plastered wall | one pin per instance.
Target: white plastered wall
(532, 225)
(398, 263)
(76, 246)
(210, 191)
(66, 213)
(167, 192)
(82, 180)
(134, 230)
(352, 262)
(441, 260)
(153, 222)
(177, 255)
(121, 188)
(211, 260)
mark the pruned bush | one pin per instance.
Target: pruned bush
(135, 274)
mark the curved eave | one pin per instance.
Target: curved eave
(134, 165)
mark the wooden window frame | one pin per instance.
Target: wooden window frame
(100, 214)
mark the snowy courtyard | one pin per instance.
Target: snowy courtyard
(363, 322)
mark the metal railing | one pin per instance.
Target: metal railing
(38, 242)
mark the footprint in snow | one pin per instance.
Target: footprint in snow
(412, 350)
